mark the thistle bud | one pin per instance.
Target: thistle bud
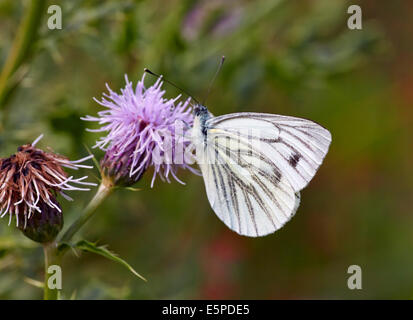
(44, 226)
(117, 168)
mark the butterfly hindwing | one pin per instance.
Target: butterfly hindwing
(249, 201)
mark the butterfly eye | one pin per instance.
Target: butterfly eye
(199, 109)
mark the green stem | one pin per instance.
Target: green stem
(50, 258)
(105, 188)
(21, 47)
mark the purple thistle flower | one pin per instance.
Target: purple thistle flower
(143, 132)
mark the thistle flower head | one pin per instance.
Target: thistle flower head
(144, 130)
(31, 179)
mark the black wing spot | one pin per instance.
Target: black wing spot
(294, 159)
(278, 175)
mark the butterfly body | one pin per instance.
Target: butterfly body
(201, 116)
(255, 164)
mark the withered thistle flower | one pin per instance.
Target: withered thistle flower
(144, 130)
(30, 181)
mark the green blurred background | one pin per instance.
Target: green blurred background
(288, 57)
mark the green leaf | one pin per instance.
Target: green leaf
(94, 158)
(133, 189)
(64, 246)
(103, 251)
(73, 296)
(34, 282)
(12, 242)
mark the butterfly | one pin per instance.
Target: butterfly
(255, 164)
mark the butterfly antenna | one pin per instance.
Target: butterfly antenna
(213, 79)
(171, 83)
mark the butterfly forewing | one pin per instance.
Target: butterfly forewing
(296, 146)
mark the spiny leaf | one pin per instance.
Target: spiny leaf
(63, 246)
(103, 251)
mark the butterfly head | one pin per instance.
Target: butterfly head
(200, 110)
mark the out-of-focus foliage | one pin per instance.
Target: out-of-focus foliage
(287, 57)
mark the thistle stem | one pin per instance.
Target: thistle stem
(50, 258)
(105, 189)
(21, 47)
(52, 255)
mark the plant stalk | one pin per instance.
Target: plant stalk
(50, 258)
(105, 189)
(21, 47)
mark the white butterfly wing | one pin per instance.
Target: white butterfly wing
(297, 146)
(251, 200)
(254, 165)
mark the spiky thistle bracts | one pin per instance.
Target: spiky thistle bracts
(31, 179)
(144, 130)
